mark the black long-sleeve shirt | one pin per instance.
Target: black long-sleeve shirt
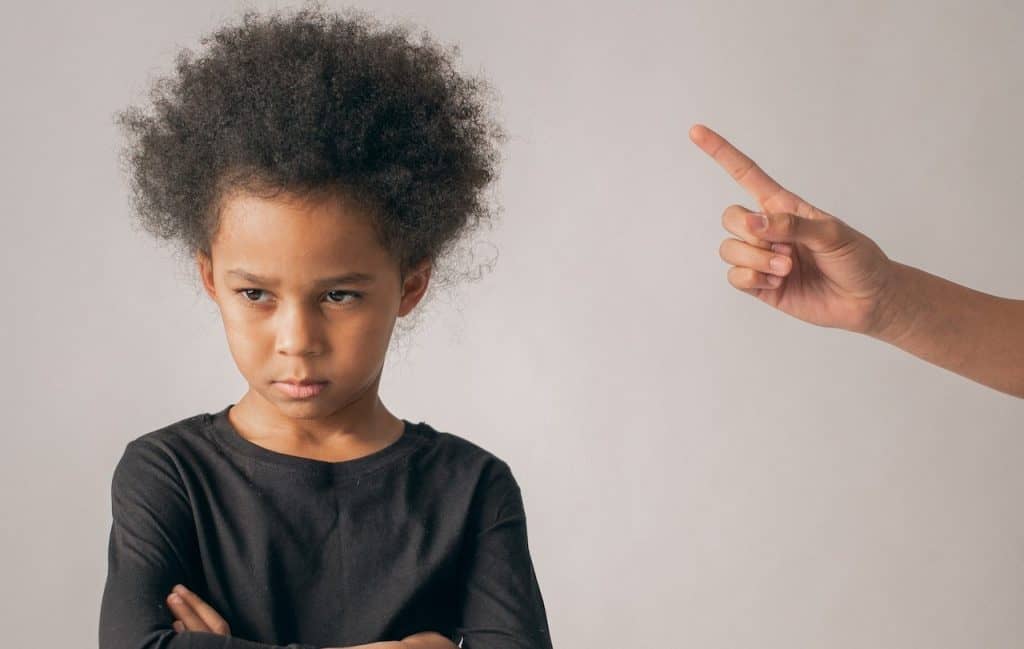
(427, 534)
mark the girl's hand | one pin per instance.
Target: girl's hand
(421, 640)
(830, 274)
(193, 614)
(428, 640)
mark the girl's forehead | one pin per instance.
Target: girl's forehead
(252, 221)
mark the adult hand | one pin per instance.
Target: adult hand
(193, 614)
(829, 274)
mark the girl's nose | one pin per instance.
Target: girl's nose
(299, 332)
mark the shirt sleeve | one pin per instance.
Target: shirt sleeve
(153, 546)
(501, 604)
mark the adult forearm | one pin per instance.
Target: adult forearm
(974, 334)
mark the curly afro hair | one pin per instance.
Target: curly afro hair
(313, 103)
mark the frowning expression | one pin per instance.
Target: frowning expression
(306, 291)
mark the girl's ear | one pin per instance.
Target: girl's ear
(206, 274)
(414, 286)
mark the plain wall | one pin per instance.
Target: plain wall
(699, 470)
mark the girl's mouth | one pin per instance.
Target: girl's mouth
(300, 390)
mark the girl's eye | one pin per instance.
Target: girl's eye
(248, 297)
(246, 293)
(354, 296)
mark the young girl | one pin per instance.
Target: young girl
(315, 167)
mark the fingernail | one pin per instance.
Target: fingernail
(179, 589)
(778, 264)
(757, 221)
(175, 599)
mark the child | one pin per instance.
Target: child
(315, 167)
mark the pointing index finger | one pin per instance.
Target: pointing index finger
(742, 169)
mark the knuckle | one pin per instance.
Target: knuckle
(787, 224)
(833, 229)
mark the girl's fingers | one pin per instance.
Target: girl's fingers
(178, 626)
(183, 611)
(768, 262)
(213, 621)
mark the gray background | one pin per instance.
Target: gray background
(698, 469)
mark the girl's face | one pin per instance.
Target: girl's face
(306, 292)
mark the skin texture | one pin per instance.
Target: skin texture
(831, 275)
(288, 326)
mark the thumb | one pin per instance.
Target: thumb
(821, 234)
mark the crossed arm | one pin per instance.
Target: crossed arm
(153, 546)
(191, 613)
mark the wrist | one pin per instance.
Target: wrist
(892, 312)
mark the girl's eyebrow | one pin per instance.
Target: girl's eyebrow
(347, 278)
